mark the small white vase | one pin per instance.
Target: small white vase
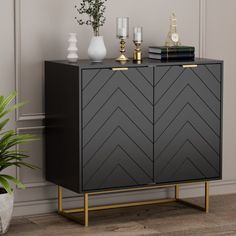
(6, 209)
(97, 50)
(72, 49)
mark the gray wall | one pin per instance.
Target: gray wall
(41, 32)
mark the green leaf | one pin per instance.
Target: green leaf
(11, 139)
(6, 101)
(33, 167)
(6, 165)
(3, 123)
(5, 184)
(14, 107)
(14, 180)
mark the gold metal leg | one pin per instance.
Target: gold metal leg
(176, 191)
(68, 213)
(207, 197)
(206, 206)
(63, 212)
(86, 210)
(60, 198)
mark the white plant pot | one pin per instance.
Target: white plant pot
(6, 209)
(97, 50)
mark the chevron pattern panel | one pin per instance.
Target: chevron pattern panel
(187, 123)
(117, 127)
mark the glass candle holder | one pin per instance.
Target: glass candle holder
(138, 39)
(138, 34)
(122, 33)
(122, 27)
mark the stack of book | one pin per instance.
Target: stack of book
(172, 53)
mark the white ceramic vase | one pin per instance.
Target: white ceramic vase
(6, 209)
(97, 50)
(72, 49)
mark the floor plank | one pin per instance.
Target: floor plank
(161, 220)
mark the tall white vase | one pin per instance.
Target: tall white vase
(72, 49)
(97, 50)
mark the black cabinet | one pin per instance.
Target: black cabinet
(114, 126)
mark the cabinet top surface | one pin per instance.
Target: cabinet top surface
(107, 63)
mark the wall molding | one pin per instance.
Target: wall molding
(33, 184)
(17, 40)
(202, 27)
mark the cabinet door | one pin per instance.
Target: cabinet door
(187, 118)
(117, 128)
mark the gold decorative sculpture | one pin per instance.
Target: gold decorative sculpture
(173, 36)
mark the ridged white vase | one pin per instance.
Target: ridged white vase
(97, 50)
(6, 209)
(72, 49)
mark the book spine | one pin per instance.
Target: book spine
(173, 50)
(173, 56)
(178, 50)
(181, 56)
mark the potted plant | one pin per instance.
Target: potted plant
(95, 10)
(9, 156)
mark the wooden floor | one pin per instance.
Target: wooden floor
(169, 219)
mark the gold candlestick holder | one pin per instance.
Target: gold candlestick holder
(122, 33)
(137, 56)
(122, 57)
(138, 39)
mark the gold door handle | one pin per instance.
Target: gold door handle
(120, 68)
(189, 66)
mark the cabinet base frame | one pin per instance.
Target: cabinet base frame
(85, 210)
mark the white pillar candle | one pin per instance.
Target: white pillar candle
(138, 36)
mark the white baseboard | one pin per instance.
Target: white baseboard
(47, 206)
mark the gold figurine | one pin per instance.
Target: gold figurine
(173, 36)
